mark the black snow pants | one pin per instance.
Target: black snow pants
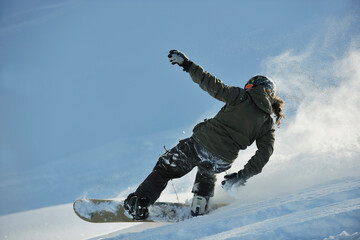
(179, 161)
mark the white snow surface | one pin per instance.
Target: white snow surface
(58, 222)
(322, 212)
(327, 211)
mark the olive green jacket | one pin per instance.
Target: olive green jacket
(245, 118)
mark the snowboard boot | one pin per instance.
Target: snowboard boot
(199, 205)
(137, 207)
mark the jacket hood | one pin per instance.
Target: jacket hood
(261, 98)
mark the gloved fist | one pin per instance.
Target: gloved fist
(179, 58)
(233, 180)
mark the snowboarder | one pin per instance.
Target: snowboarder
(215, 143)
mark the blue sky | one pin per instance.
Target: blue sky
(75, 75)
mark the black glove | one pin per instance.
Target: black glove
(234, 179)
(177, 57)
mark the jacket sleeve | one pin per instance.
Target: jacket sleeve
(214, 86)
(265, 145)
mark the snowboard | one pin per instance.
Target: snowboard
(111, 210)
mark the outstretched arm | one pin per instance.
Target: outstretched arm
(214, 86)
(209, 83)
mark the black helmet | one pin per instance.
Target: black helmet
(263, 81)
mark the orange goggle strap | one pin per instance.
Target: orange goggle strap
(248, 86)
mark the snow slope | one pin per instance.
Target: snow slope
(328, 211)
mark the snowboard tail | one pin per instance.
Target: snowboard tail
(99, 210)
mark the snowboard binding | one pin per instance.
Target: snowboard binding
(137, 207)
(199, 205)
